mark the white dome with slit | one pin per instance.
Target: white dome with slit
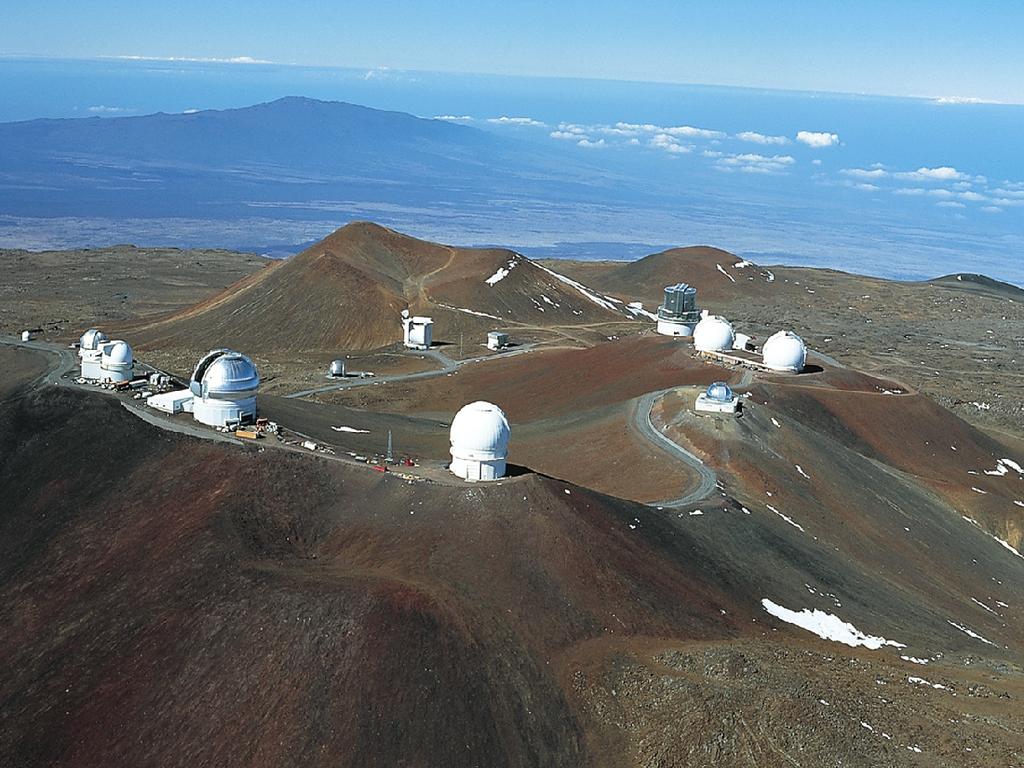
(785, 351)
(224, 384)
(91, 340)
(479, 442)
(713, 334)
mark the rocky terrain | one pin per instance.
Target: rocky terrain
(843, 591)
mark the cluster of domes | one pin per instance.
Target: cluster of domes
(104, 360)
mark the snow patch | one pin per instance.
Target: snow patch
(776, 422)
(827, 626)
(467, 311)
(742, 264)
(801, 471)
(915, 660)
(970, 633)
(351, 429)
(1003, 466)
(719, 268)
(502, 272)
(601, 301)
(788, 519)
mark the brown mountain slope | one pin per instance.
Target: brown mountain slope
(175, 602)
(716, 273)
(346, 292)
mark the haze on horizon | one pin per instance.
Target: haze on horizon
(951, 49)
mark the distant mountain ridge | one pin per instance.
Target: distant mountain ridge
(301, 157)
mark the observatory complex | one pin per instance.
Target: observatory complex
(678, 315)
(418, 331)
(479, 438)
(224, 386)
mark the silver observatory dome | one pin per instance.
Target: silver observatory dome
(225, 373)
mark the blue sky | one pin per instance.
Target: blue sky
(908, 48)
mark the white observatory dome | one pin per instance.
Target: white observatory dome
(224, 384)
(785, 351)
(116, 361)
(92, 339)
(720, 392)
(479, 437)
(713, 334)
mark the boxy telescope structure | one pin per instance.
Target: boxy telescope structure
(678, 315)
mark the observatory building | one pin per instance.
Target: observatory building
(479, 438)
(116, 361)
(89, 353)
(224, 386)
(497, 340)
(337, 369)
(678, 315)
(713, 334)
(418, 331)
(784, 351)
(718, 398)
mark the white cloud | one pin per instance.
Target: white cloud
(865, 187)
(564, 135)
(963, 100)
(753, 163)
(760, 138)
(669, 144)
(817, 139)
(974, 197)
(992, 209)
(590, 144)
(102, 109)
(506, 120)
(815, 161)
(197, 59)
(950, 204)
(865, 173)
(915, 191)
(454, 118)
(942, 173)
(190, 111)
(693, 133)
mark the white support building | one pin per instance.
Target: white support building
(116, 361)
(418, 331)
(26, 335)
(718, 398)
(479, 438)
(179, 401)
(89, 353)
(224, 386)
(497, 340)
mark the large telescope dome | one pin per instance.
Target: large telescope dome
(479, 438)
(785, 351)
(225, 373)
(713, 334)
(116, 361)
(224, 384)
